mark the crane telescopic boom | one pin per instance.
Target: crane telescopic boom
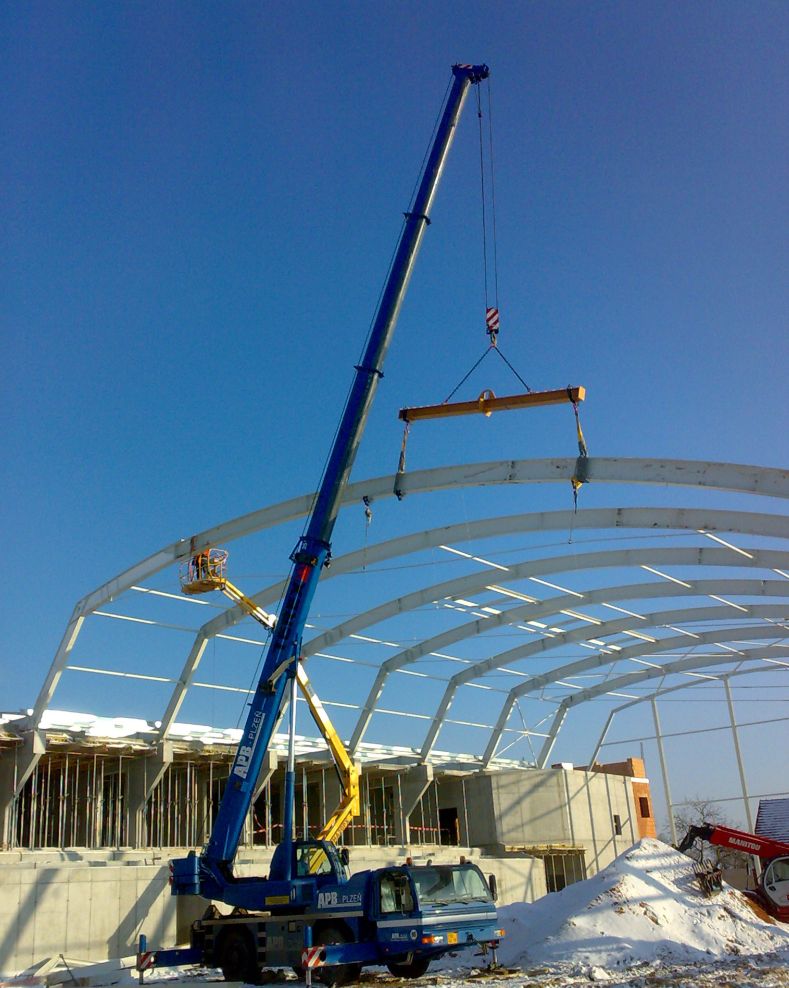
(212, 876)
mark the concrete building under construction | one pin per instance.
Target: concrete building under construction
(90, 834)
(94, 805)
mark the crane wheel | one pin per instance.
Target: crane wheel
(238, 957)
(415, 969)
(336, 975)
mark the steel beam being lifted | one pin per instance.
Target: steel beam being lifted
(488, 403)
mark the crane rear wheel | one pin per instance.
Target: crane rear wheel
(238, 957)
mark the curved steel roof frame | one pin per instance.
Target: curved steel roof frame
(690, 663)
(718, 636)
(766, 482)
(683, 519)
(765, 559)
(680, 519)
(460, 586)
(555, 605)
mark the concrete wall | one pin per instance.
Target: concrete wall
(85, 909)
(529, 808)
(592, 801)
(635, 770)
(552, 806)
(94, 905)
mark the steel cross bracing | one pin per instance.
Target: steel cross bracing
(772, 655)
(727, 477)
(771, 659)
(688, 664)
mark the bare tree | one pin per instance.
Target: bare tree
(697, 811)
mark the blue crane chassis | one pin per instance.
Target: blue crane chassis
(390, 915)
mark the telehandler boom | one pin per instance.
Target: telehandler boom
(772, 891)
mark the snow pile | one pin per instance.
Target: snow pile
(645, 907)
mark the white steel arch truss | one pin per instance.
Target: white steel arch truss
(679, 519)
(635, 518)
(770, 657)
(546, 608)
(751, 480)
(606, 655)
(718, 636)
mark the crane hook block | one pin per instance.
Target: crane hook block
(488, 402)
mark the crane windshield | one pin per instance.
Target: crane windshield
(441, 885)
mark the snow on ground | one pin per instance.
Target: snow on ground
(642, 913)
(644, 906)
(640, 923)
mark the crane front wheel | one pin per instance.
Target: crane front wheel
(413, 969)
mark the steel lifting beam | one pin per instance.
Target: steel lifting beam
(488, 403)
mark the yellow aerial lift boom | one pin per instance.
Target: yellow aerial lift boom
(206, 572)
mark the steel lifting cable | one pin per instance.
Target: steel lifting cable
(493, 194)
(492, 313)
(580, 473)
(488, 275)
(484, 218)
(487, 402)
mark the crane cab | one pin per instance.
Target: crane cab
(774, 886)
(204, 572)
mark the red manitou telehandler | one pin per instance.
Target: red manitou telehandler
(772, 892)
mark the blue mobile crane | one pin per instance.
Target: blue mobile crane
(398, 916)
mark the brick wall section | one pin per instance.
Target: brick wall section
(634, 768)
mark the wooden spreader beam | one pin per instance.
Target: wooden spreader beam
(488, 403)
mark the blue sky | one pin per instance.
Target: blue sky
(200, 201)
